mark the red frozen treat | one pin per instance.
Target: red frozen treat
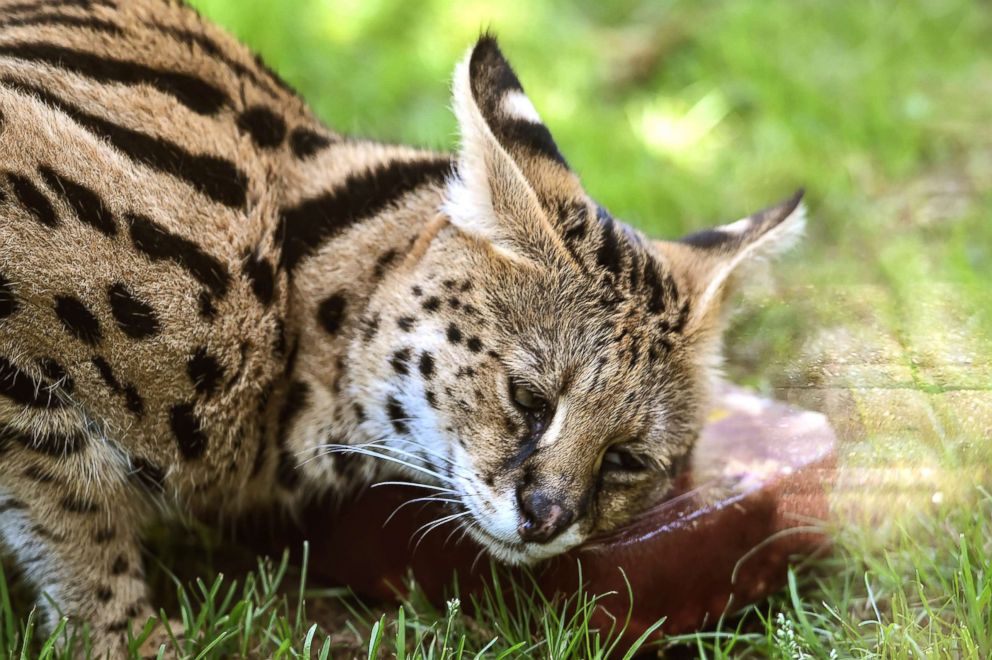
(749, 504)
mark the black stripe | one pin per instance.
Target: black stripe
(261, 274)
(210, 47)
(196, 94)
(65, 20)
(608, 255)
(215, 177)
(23, 389)
(107, 374)
(33, 199)
(87, 204)
(188, 430)
(204, 371)
(656, 295)
(304, 228)
(159, 244)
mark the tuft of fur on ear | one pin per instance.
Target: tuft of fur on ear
(711, 260)
(506, 158)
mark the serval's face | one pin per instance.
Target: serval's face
(547, 367)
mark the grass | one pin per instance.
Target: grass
(677, 115)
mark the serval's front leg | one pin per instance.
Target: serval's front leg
(71, 507)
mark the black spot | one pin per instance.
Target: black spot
(205, 371)
(331, 312)
(196, 94)
(88, 205)
(474, 344)
(431, 399)
(104, 593)
(454, 303)
(426, 365)
(23, 389)
(266, 128)
(306, 142)
(406, 323)
(416, 291)
(104, 535)
(397, 415)
(261, 274)
(148, 475)
(77, 505)
(399, 361)
(120, 566)
(432, 304)
(159, 244)
(77, 319)
(134, 317)
(215, 177)
(8, 302)
(448, 284)
(187, 429)
(466, 286)
(608, 255)
(33, 199)
(206, 306)
(307, 226)
(454, 334)
(383, 262)
(359, 412)
(656, 295)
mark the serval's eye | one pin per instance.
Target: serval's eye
(620, 459)
(527, 399)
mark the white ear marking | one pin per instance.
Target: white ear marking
(516, 104)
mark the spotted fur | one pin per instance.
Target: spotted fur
(210, 301)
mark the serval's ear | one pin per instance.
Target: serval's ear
(712, 261)
(509, 166)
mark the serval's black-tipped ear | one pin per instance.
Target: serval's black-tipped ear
(507, 110)
(509, 168)
(712, 260)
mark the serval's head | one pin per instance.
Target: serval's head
(546, 364)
